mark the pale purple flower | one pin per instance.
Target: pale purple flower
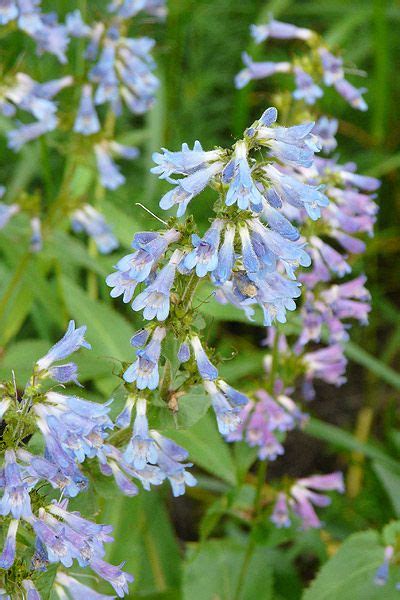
(183, 162)
(7, 211)
(16, 499)
(303, 496)
(382, 573)
(332, 67)
(92, 222)
(206, 369)
(155, 299)
(325, 129)
(183, 352)
(87, 121)
(280, 515)
(306, 88)
(72, 340)
(351, 94)
(7, 557)
(144, 371)
(258, 70)
(77, 590)
(204, 257)
(189, 187)
(279, 30)
(141, 448)
(242, 189)
(109, 174)
(114, 575)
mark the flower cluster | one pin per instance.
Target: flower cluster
(250, 253)
(302, 497)
(311, 70)
(332, 206)
(73, 430)
(118, 72)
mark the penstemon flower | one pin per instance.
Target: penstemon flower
(250, 253)
(317, 65)
(115, 72)
(324, 207)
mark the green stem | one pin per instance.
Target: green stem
(251, 544)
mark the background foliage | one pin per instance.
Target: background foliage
(194, 547)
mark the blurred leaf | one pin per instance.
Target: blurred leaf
(342, 439)
(212, 571)
(108, 332)
(373, 364)
(146, 541)
(20, 357)
(350, 573)
(391, 482)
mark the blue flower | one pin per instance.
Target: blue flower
(77, 590)
(15, 498)
(110, 176)
(185, 189)
(141, 448)
(64, 373)
(31, 590)
(155, 299)
(300, 195)
(292, 145)
(184, 352)
(7, 557)
(75, 25)
(228, 416)
(306, 89)
(272, 243)
(145, 369)
(114, 575)
(332, 67)
(72, 340)
(206, 369)
(351, 94)
(170, 457)
(184, 162)
(87, 121)
(226, 257)
(242, 189)
(237, 398)
(26, 133)
(258, 70)
(8, 11)
(140, 338)
(122, 285)
(88, 219)
(7, 211)
(150, 246)
(279, 30)
(124, 418)
(325, 129)
(205, 255)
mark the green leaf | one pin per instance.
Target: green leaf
(108, 331)
(207, 448)
(350, 573)
(20, 357)
(212, 572)
(145, 540)
(342, 439)
(391, 482)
